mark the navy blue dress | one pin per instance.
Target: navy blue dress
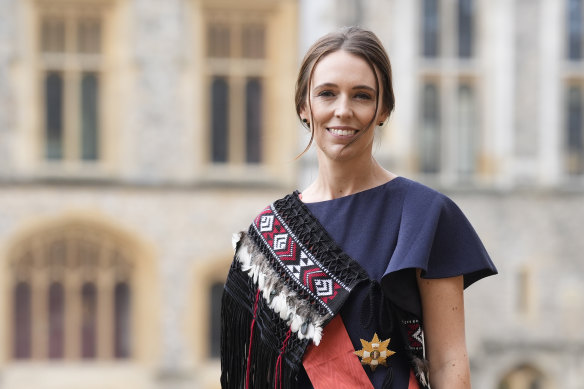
(392, 230)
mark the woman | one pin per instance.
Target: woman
(358, 281)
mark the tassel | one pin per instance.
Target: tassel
(278, 371)
(255, 310)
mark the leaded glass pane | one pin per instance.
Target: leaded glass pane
(54, 115)
(218, 41)
(430, 131)
(122, 320)
(574, 136)
(574, 21)
(466, 131)
(465, 28)
(253, 123)
(88, 321)
(56, 321)
(22, 321)
(219, 120)
(89, 116)
(53, 35)
(430, 25)
(89, 35)
(253, 37)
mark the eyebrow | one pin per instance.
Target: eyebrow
(356, 87)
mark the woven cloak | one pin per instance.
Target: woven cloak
(287, 281)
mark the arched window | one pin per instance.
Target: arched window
(72, 295)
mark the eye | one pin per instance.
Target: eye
(363, 96)
(325, 93)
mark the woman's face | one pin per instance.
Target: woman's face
(342, 101)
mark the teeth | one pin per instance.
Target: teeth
(335, 131)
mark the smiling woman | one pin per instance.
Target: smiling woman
(328, 287)
(342, 108)
(363, 45)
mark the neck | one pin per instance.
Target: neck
(338, 178)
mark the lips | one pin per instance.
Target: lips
(342, 131)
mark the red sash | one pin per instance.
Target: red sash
(333, 364)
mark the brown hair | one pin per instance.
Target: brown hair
(357, 41)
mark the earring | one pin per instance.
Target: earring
(304, 120)
(380, 124)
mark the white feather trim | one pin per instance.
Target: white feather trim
(235, 238)
(261, 281)
(310, 332)
(296, 323)
(317, 335)
(244, 258)
(267, 283)
(279, 304)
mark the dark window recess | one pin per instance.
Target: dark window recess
(22, 343)
(574, 18)
(88, 321)
(430, 131)
(54, 115)
(56, 321)
(465, 28)
(89, 116)
(575, 136)
(253, 122)
(219, 120)
(122, 320)
(431, 26)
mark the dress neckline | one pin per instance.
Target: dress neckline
(378, 187)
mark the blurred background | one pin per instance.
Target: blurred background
(137, 135)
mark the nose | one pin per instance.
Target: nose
(343, 108)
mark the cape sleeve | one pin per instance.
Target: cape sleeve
(436, 237)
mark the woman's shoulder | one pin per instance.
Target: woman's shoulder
(418, 192)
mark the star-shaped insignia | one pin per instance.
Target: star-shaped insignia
(374, 353)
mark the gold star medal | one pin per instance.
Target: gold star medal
(374, 353)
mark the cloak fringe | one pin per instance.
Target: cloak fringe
(268, 337)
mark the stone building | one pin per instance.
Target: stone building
(137, 135)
